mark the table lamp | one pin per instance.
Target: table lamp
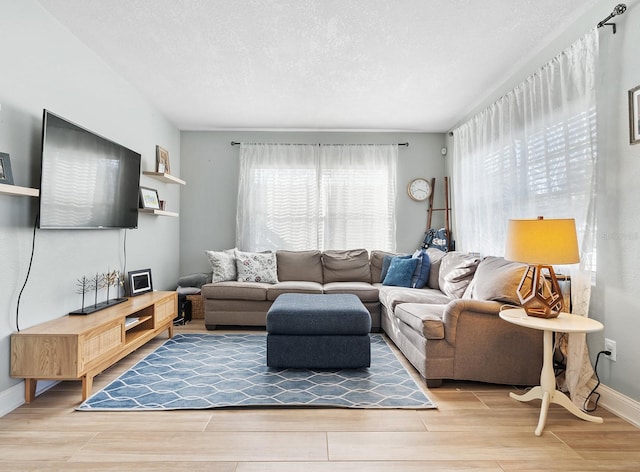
(541, 243)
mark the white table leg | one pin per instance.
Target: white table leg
(547, 392)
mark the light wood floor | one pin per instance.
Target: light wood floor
(476, 427)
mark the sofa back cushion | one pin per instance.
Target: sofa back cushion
(496, 279)
(299, 266)
(346, 266)
(456, 272)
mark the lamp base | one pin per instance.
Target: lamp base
(539, 292)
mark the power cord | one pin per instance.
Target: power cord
(26, 279)
(593, 391)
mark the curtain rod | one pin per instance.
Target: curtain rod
(619, 9)
(235, 143)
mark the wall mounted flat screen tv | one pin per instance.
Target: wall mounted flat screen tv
(86, 181)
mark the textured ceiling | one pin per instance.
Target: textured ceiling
(418, 65)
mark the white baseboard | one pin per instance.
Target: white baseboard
(620, 405)
(13, 397)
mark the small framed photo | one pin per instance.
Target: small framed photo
(6, 177)
(139, 282)
(149, 198)
(634, 115)
(162, 160)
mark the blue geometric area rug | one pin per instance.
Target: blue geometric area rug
(200, 371)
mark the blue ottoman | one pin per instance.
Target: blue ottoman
(318, 331)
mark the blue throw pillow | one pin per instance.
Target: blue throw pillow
(421, 274)
(386, 261)
(400, 272)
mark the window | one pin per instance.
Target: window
(316, 197)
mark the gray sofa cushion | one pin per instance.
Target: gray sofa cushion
(423, 318)
(391, 296)
(299, 265)
(496, 279)
(236, 290)
(456, 271)
(364, 291)
(293, 286)
(346, 266)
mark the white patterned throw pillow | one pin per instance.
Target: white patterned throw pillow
(257, 267)
(223, 264)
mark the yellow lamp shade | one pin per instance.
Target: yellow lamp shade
(542, 242)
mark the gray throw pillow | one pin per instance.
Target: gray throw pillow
(497, 279)
(193, 280)
(435, 257)
(456, 271)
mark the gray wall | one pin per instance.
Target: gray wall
(44, 66)
(614, 299)
(210, 165)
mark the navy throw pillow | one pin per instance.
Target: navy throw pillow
(400, 272)
(421, 274)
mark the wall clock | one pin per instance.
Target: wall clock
(419, 189)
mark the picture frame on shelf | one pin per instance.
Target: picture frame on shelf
(139, 282)
(149, 199)
(634, 115)
(162, 160)
(6, 176)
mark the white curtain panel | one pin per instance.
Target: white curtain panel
(278, 197)
(301, 197)
(358, 194)
(533, 153)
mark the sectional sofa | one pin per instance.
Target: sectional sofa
(449, 329)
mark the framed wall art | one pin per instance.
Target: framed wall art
(634, 115)
(149, 199)
(6, 177)
(162, 160)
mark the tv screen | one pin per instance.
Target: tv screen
(87, 181)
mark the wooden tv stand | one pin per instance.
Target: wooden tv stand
(82, 346)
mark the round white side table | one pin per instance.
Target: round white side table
(546, 391)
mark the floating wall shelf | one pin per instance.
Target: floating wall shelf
(158, 212)
(164, 177)
(19, 191)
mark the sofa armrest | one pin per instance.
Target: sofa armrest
(454, 308)
(489, 349)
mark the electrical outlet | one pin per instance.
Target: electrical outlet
(610, 345)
